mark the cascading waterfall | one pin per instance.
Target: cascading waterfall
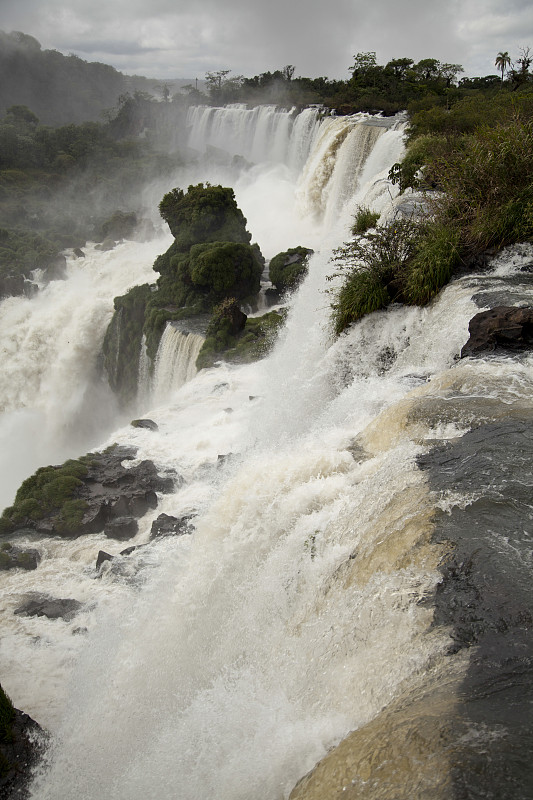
(263, 133)
(175, 362)
(226, 663)
(53, 402)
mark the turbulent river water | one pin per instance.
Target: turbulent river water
(309, 602)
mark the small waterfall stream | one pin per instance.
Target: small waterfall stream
(175, 362)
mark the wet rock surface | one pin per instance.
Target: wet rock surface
(112, 495)
(149, 424)
(501, 328)
(21, 751)
(167, 525)
(485, 600)
(41, 605)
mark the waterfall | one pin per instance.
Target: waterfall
(263, 133)
(54, 403)
(227, 662)
(175, 362)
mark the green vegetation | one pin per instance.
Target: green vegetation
(232, 336)
(210, 260)
(286, 270)
(60, 187)
(49, 492)
(122, 341)
(364, 219)
(473, 161)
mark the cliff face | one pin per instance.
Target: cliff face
(210, 260)
(22, 743)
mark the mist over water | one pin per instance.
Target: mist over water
(226, 663)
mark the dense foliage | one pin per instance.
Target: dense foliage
(210, 260)
(287, 269)
(234, 337)
(62, 186)
(474, 165)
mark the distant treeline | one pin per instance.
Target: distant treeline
(62, 89)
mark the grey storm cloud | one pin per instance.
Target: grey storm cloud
(173, 38)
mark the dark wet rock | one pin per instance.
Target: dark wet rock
(121, 528)
(21, 747)
(129, 550)
(225, 458)
(56, 269)
(149, 424)
(102, 557)
(12, 557)
(41, 605)
(107, 244)
(485, 601)
(502, 328)
(167, 525)
(273, 297)
(106, 490)
(78, 252)
(11, 285)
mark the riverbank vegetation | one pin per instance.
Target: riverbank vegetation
(472, 165)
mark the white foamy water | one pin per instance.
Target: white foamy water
(53, 401)
(225, 663)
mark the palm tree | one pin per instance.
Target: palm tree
(502, 62)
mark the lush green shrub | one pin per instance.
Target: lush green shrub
(431, 267)
(225, 269)
(49, 491)
(362, 293)
(287, 269)
(364, 220)
(203, 214)
(488, 186)
(70, 516)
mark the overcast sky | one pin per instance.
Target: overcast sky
(187, 38)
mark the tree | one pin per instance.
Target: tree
(363, 63)
(428, 69)
(503, 61)
(520, 73)
(288, 72)
(450, 72)
(400, 66)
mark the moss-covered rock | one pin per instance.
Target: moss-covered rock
(84, 495)
(287, 269)
(203, 214)
(251, 343)
(210, 259)
(12, 557)
(122, 343)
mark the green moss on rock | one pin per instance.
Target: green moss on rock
(252, 342)
(122, 343)
(287, 269)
